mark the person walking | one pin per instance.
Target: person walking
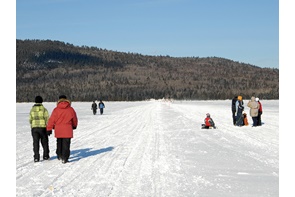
(94, 107)
(239, 111)
(233, 109)
(254, 106)
(259, 112)
(38, 120)
(63, 121)
(101, 106)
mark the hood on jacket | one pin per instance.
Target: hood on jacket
(63, 103)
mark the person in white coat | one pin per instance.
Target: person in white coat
(254, 106)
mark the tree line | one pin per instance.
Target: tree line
(50, 68)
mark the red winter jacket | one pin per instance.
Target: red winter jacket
(63, 120)
(260, 108)
(208, 122)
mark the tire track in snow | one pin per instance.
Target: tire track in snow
(137, 159)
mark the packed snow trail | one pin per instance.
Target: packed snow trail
(154, 149)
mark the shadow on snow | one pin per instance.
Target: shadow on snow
(76, 155)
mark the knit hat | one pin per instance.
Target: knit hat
(257, 99)
(208, 115)
(240, 98)
(38, 99)
(62, 97)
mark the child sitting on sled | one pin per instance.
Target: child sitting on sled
(209, 123)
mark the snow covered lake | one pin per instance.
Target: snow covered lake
(154, 149)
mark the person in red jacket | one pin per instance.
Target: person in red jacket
(209, 123)
(259, 112)
(63, 121)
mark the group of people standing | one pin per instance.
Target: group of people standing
(63, 121)
(101, 106)
(239, 115)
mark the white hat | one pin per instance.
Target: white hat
(257, 99)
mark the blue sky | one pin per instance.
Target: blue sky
(241, 30)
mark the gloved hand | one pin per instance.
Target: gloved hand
(74, 127)
(49, 132)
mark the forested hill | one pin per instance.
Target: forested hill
(51, 68)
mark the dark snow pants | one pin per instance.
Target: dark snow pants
(40, 134)
(239, 119)
(234, 117)
(255, 121)
(101, 111)
(63, 148)
(259, 119)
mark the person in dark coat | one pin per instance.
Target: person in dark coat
(63, 120)
(94, 107)
(239, 111)
(101, 106)
(233, 109)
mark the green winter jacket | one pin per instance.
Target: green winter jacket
(38, 116)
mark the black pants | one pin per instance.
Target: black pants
(234, 117)
(101, 110)
(239, 119)
(39, 134)
(255, 120)
(63, 148)
(259, 119)
(94, 111)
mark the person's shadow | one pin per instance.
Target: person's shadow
(76, 155)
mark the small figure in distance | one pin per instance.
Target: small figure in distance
(209, 123)
(239, 111)
(254, 107)
(233, 109)
(101, 106)
(259, 112)
(94, 107)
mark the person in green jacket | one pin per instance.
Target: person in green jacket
(38, 120)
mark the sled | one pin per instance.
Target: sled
(206, 127)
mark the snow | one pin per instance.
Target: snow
(155, 148)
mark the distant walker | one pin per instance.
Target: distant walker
(101, 106)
